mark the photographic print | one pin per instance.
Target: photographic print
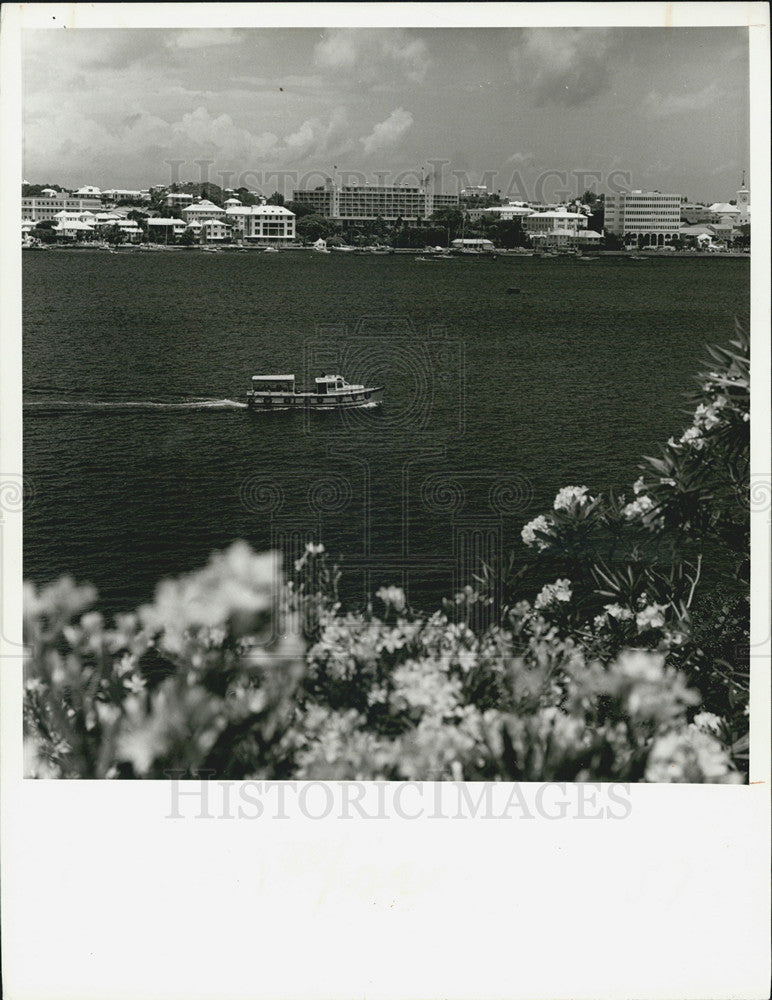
(385, 441)
(386, 403)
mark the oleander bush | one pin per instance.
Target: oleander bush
(627, 667)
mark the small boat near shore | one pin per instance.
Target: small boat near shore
(331, 392)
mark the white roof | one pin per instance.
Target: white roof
(74, 224)
(725, 208)
(165, 222)
(558, 215)
(590, 234)
(259, 210)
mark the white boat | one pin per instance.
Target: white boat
(271, 250)
(321, 246)
(331, 392)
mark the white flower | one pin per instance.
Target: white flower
(707, 722)
(746, 417)
(560, 590)
(638, 507)
(570, 496)
(650, 617)
(666, 481)
(393, 597)
(639, 665)
(617, 611)
(693, 437)
(528, 534)
(638, 485)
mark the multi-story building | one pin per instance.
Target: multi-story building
(202, 210)
(356, 203)
(177, 199)
(648, 217)
(121, 194)
(162, 230)
(558, 228)
(47, 207)
(271, 224)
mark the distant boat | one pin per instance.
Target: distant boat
(382, 250)
(320, 246)
(271, 250)
(343, 249)
(331, 392)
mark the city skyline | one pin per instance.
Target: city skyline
(115, 107)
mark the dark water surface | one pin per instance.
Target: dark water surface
(143, 459)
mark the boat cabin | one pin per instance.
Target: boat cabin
(273, 383)
(330, 383)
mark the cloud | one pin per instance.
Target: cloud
(200, 38)
(388, 133)
(521, 159)
(373, 55)
(656, 105)
(565, 66)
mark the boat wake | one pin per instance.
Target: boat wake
(129, 406)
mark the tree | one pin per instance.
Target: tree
(45, 231)
(188, 238)
(314, 227)
(275, 199)
(114, 234)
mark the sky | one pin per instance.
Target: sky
(523, 110)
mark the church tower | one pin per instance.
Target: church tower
(744, 203)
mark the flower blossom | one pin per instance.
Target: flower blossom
(617, 611)
(693, 437)
(392, 597)
(638, 507)
(690, 756)
(560, 590)
(570, 496)
(650, 617)
(529, 536)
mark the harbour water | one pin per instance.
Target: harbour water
(141, 457)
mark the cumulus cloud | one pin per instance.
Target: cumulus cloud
(388, 133)
(565, 66)
(373, 54)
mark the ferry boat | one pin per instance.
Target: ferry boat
(331, 392)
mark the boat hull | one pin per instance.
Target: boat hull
(348, 400)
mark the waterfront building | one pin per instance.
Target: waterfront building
(202, 210)
(75, 225)
(557, 228)
(272, 224)
(647, 217)
(47, 206)
(88, 191)
(162, 230)
(473, 244)
(356, 203)
(214, 231)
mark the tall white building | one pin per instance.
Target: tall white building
(649, 217)
(271, 224)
